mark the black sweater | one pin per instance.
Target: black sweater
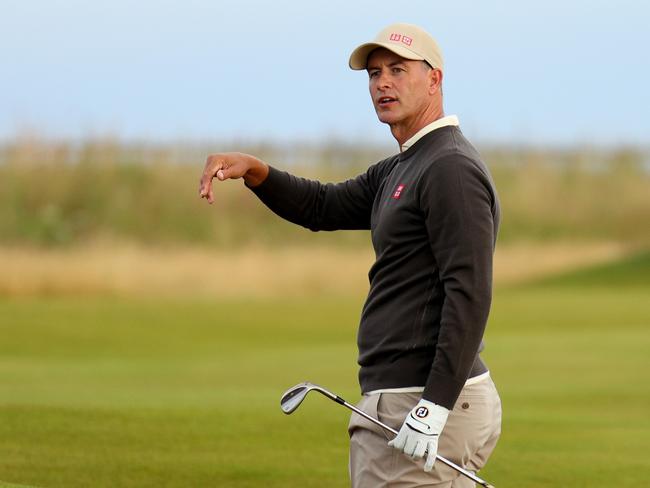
(433, 214)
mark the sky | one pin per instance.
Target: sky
(552, 73)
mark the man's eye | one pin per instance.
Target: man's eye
(397, 70)
(373, 74)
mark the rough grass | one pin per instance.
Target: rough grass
(147, 393)
(140, 271)
(63, 194)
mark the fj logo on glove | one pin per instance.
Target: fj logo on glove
(422, 412)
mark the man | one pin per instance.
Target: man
(433, 214)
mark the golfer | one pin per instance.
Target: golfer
(433, 213)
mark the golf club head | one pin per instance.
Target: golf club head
(294, 396)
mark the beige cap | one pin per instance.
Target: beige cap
(406, 40)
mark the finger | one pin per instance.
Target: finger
(226, 172)
(212, 166)
(431, 458)
(420, 450)
(206, 192)
(409, 447)
(398, 442)
(205, 184)
(223, 174)
(204, 187)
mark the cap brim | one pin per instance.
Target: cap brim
(359, 57)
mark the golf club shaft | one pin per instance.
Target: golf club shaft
(470, 475)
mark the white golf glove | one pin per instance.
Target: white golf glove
(420, 432)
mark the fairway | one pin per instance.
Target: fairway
(108, 392)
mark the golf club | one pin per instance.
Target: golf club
(294, 396)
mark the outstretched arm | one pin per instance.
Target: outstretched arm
(309, 203)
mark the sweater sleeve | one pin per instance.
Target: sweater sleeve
(458, 201)
(322, 206)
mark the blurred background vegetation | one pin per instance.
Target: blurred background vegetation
(62, 194)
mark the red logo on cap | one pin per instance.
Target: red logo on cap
(401, 38)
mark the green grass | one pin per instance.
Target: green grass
(631, 271)
(104, 392)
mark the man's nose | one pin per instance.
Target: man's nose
(383, 80)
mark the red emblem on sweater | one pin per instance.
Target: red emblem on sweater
(398, 192)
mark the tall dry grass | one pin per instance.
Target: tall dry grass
(70, 194)
(125, 219)
(138, 271)
(583, 195)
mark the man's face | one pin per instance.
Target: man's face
(400, 88)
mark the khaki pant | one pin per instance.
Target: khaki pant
(468, 439)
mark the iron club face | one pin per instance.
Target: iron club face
(293, 397)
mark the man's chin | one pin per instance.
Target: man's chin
(387, 118)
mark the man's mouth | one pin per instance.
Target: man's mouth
(385, 101)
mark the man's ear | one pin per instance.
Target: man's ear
(435, 80)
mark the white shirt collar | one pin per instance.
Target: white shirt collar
(436, 124)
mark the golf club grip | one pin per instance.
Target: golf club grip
(443, 460)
